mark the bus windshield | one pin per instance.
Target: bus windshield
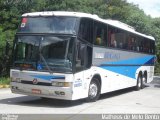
(49, 24)
(44, 53)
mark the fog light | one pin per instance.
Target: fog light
(66, 84)
(59, 93)
(54, 83)
(14, 87)
(18, 80)
(62, 93)
(15, 79)
(60, 84)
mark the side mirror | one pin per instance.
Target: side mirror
(82, 53)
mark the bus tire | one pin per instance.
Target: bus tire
(44, 98)
(94, 91)
(144, 80)
(139, 83)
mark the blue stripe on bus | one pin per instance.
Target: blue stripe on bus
(45, 77)
(129, 70)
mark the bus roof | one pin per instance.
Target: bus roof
(114, 23)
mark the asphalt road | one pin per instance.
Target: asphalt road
(124, 101)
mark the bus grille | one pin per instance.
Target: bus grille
(39, 83)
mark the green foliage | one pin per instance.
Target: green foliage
(11, 11)
(157, 69)
(4, 81)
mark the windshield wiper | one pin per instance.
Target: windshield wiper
(43, 59)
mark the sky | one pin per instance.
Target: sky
(150, 7)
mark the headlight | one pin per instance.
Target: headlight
(61, 84)
(15, 79)
(15, 74)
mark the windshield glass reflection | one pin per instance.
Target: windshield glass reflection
(56, 51)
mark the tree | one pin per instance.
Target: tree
(11, 11)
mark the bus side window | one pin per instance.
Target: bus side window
(113, 41)
(112, 37)
(88, 57)
(83, 56)
(147, 47)
(80, 56)
(100, 34)
(138, 44)
(133, 44)
(152, 48)
(85, 30)
(133, 47)
(141, 46)
(109, 38)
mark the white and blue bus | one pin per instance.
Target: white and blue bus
(72, 55)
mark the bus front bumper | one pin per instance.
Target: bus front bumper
(64, 93)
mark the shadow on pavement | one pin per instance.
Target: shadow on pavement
(55, 103)
(117, 93)
(40, 102)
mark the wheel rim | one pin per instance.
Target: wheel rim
(139, 82)
(93, 90)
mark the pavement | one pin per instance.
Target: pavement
(156, 81)
(127, 101)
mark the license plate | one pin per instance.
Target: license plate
(36, 91)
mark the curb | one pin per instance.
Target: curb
(4, 86)
(156, 76)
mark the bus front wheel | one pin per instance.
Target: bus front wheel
(94, 91)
